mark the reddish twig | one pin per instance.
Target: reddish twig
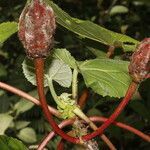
(124, 126)
(119, 109)
(81, 102)
(110, 51)
(60, 145)
(55, 112)
(39, 69)
(83, 98)
(27, 96)
(30, 98)
(95, 119)
(52, 133)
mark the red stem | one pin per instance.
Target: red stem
(60, 145)
(118, 110)
(110, 51)
(39, 68)
(83, 98)
(81, 102)
(52, 133)
(111, 119)
(124, 126)
(95, 119)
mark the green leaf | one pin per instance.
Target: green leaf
(21, 124)
(5, 121)
(106, 77)
(9, 143)
(27, 135)
(54, 69)
(65, 56)
(24, 105)
(118, 9)
(87, 29)
(6, 30)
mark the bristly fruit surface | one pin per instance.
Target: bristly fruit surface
(139, 67)
(36, 29)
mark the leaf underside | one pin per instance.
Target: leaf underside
(55, 69)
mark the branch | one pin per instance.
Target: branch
(83, 98)
(118, 110)
(95, 119)
(39, 71)
(55, 112)
(81, 115)
(27, 96)
(76, 110)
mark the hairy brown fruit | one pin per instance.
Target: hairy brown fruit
(139, 67)
(36, 28)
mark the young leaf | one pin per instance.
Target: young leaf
(87, 29)
(118, 9)
(54, 69)
(6, 30)
(9, 143)
(5, 121)
(106, 77)
(65, 56)
(27, 135)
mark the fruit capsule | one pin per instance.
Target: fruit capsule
(36, 29)
(139, 67)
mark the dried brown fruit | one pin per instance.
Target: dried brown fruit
(139, 67)
(36, 28)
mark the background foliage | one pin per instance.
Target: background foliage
(23, 120)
